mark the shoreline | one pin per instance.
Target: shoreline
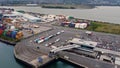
(56, 6)
(27, 47)
(30, 52)
(22, 61)
(26, 50)
(101, 18)
(7, 42)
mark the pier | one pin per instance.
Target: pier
(42, 38)
(27, 50)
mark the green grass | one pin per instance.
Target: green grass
(101, 27)
(104, 27)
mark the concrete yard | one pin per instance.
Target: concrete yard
(28, 50)
(26, 31)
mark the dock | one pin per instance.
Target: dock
(42, 38)
(26, 50)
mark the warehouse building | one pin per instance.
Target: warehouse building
(31, 18)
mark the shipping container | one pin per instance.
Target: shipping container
(1, 15)
(63, 24)
(8, 34)
(19, 35)
(72, 25)
(1, 31)
(5, 32)
(83, 25)
(8, 20)
(2, 26)
(13, 34)
(77, 25)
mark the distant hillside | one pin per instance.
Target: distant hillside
(85, 2)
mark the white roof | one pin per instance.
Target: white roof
(84, 42)
(17, 13)
(30, 17)
(88, 32)
(117, 62)
(9, 15)
(117, 58)
(13, 14)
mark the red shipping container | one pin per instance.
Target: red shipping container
(1, 31)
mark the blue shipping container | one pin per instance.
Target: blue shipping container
(72, 25)
(13, 34)
(62, 24)
(1, 15)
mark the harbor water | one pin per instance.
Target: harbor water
(101, 13)
(60, 64)
(7, 59)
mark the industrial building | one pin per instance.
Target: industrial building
(88, 44)
(31, 18)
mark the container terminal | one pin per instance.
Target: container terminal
(38, 41)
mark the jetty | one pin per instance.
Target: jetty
(30, 52)
(44, 38)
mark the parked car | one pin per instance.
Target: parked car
(58, 33)
(42, 37)
(62, 31)
(36, 40)
(50, 36)
(40, 41)
(57, 40)
(46, 45)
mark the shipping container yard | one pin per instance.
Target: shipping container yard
(42, 38)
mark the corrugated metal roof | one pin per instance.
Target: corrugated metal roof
(30, 17)
(117, 62)
(117, 58)
(84, 42)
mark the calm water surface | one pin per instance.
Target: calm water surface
(7, 59)
(107, 14)
(102, 13)
(60, 64)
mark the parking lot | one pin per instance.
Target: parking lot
(103, 39)
(56, 41)
(30, 29)
(66, 34)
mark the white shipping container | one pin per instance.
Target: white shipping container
(54, 47)
(83, 25)
(77, 25)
